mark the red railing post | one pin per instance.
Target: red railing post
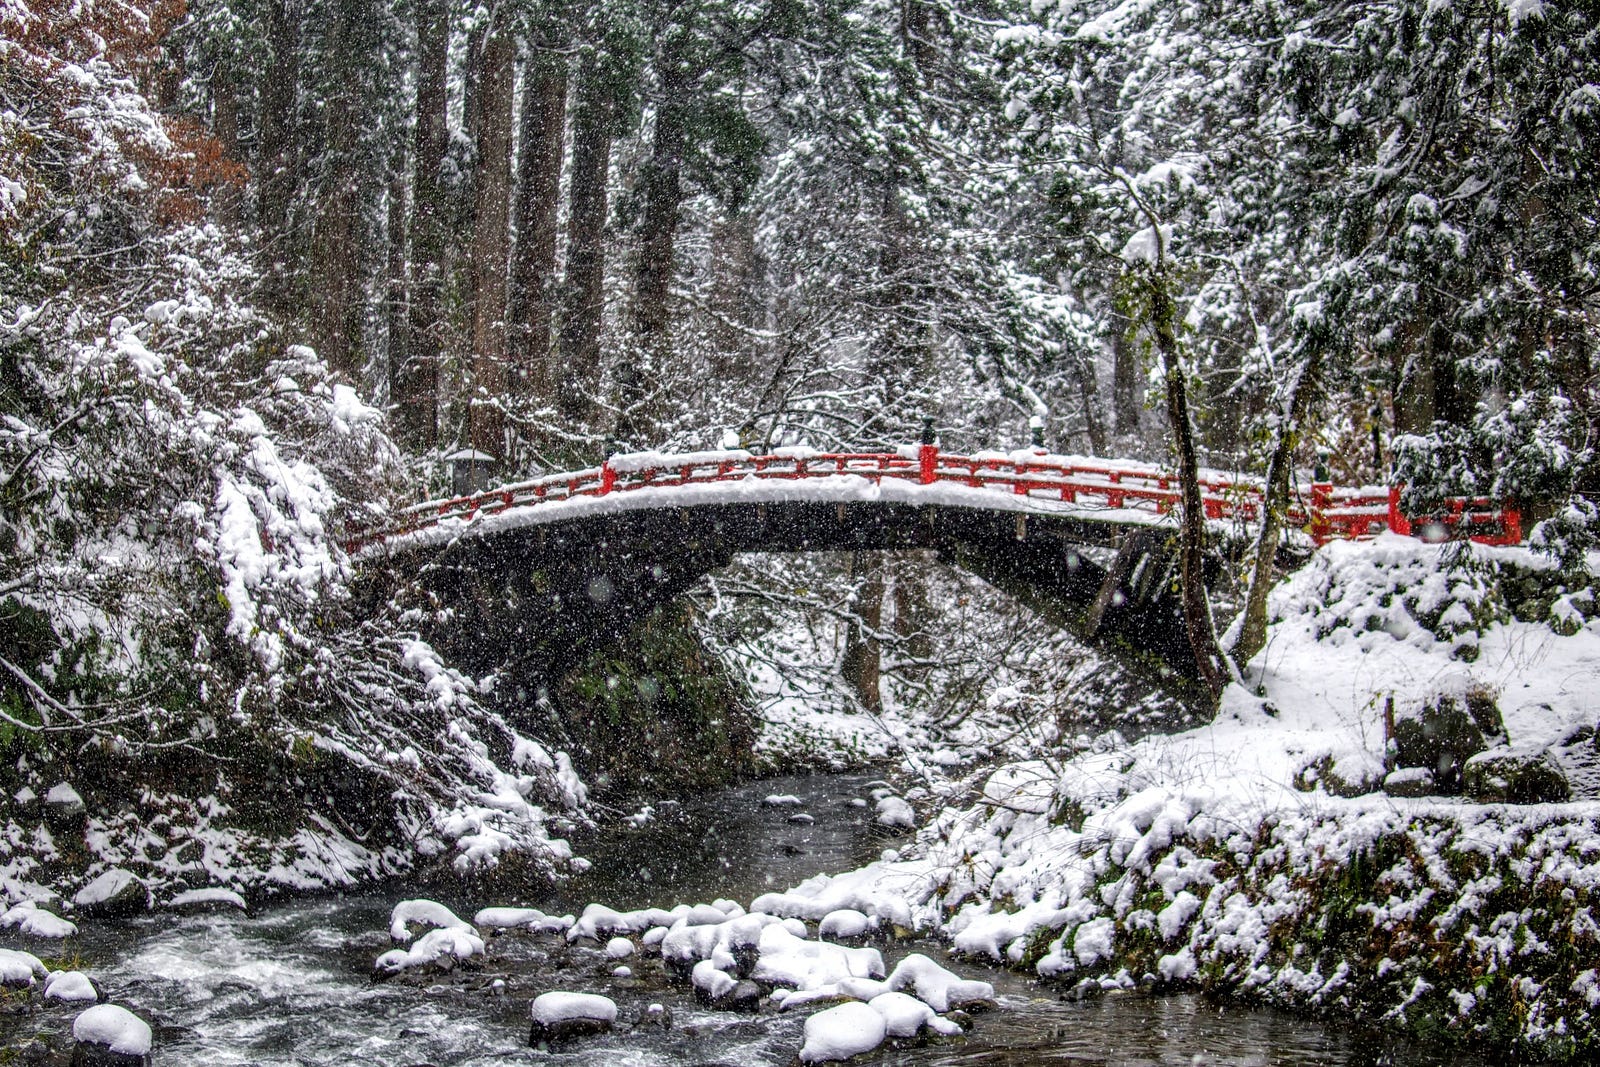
(1511, 525)
(1398, 523)
(927, 462)
(608, 478)
(1321, 495)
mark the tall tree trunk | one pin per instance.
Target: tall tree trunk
(491, 245)
(736, 299)
(862, 663)
(662, 181)
(1089, 390)
(1411, 372)
(1125, 403)
(472, 81)
(583, 309)
(278, 167)
(531, 299)
(397, 332)
(1192, 537)
(335, 292)
(417, 398)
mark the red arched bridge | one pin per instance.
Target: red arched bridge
(555, 564)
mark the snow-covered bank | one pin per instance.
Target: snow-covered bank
(1223, 857)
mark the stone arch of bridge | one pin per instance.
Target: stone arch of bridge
(545, 595)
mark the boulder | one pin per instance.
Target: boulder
(211, 899)
(840, 1033)
(115, 894)
(109, 1035)
(562, 1017)
(1411, 782)
(20, 970)
(1443, 734)
(63, 806)
(73, 987)
(1515, 776)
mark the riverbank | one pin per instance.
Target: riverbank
(292, 982)
(1225, 858)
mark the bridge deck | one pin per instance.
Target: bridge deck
(1111, 491)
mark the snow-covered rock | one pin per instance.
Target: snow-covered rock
(735, 944)
(846, 923)
(790, 961)
(940, 989)
(440, 949)
(906, 1016)
(653, 1016)
(719, 989)
(599, 921)
(30, 919)
(108, 1034)
(423, 913)
(561, 1016)
(212, 898)
(619, 948)
(19, 970)
(113, 894)
(73, 987)
(784, 800)
(895, 812)
(842, 1032)
(522, 919)
(62, 803)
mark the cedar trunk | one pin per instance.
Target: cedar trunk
(415, 390)
(531, 299)
(278, 168)
(491, 245)
(584, 307)
(652, 322)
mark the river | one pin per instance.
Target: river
(292, 986)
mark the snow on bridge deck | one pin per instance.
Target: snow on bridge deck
(1117, 492)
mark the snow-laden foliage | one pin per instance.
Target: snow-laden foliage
(1417, 173)
(175, 477)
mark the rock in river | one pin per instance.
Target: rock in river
(560, 1017)
(108, 1035)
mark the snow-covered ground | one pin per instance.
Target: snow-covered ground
(1222, 855)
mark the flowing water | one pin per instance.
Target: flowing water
(292, 985)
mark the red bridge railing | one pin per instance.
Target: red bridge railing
(1327, 513)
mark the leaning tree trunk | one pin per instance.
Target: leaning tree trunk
(491, 246)
(1274, 502)
(1192, 538)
